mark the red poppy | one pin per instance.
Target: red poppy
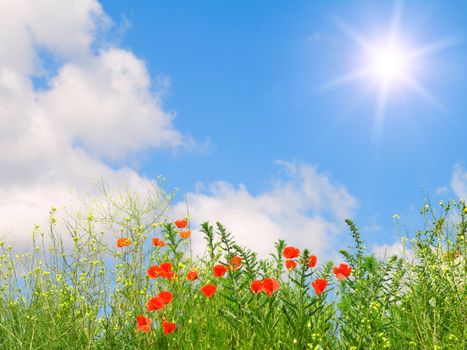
(185, 233)
(209, 290)
(166, 296)
(154, 271)
(163, 270)
(291, 252)
(166, 266)
(168, 327)
(181, 223)
(290, 264)
(166, 270)
(158, 242)
(257, 286)
(319, 285)
(312, 260)
(123, 242)
(192, 275)
(143, 323)
(342, 271)
(270, 285)
(219, 270)
(236, 262)
(156, 303)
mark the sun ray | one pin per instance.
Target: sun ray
(395, 22)
(424, 93)
(380, 110)
(389, 65)
(346, 79)
(352, 33)
(433, 47)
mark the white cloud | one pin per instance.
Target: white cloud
(458, 186)
(401, 249)
(98, 104)
(24, 206)
(442, 190)
(459, 182)
(384, 251)
(107, 107)
(306, 209)
(67, 28)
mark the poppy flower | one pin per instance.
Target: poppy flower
(166, 270)
(156, 303)
(163, 270)
(270, 285)
(158, 242)
(181, 223)
(342, 271)
(192, 275)
(319, 285)
(123, 242)
(209, 290)
(219, 270)
(154, 271)
(185, 234)
(312, 260)
(291, 252)
(290, 264)
(257, 286)
(166, 266)
(236, 262)
(166, 296)
(143, 323)
(168, 327)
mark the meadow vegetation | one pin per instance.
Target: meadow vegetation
(75, 288)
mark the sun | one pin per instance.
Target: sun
(389, 65)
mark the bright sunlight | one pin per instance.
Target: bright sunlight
(389, 63)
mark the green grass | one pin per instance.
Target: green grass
(76, 290)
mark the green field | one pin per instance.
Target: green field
(74, 288)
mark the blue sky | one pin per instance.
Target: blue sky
(239, 87)
(246, 76)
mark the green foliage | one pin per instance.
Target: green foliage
(75, 290)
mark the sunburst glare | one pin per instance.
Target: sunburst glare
(389, 65)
